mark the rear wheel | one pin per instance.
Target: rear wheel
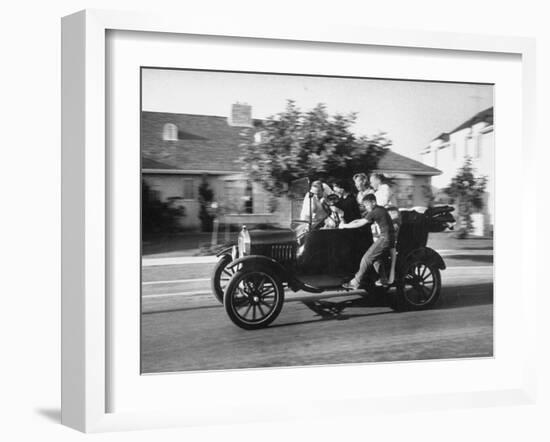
(419, 287)
(253, 298)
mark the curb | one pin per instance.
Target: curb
(178, 260)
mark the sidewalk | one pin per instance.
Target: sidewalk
(443, 243)
(189, 245)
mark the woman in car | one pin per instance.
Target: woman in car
(382, 190)
(361, 182)
(346, 203)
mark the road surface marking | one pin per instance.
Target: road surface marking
(175, 281)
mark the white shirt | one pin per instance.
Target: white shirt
(318, 212)
(384, 195)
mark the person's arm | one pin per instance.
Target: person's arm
(356, 223)
(304, 214)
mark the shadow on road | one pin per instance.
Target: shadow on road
(487, 259)
(465, 296)
(330, 310)
(451, 297)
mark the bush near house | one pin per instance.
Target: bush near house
(159, 216)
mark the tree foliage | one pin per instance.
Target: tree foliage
(467, 191)
(296, 144)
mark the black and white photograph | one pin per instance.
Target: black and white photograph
(303, 220)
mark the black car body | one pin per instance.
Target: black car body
(251, 276)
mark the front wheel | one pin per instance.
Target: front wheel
(221, 277)
(419, 287)
(253, 298)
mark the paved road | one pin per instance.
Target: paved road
(184, 328)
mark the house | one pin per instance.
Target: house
(412, 180)
(180, 151)
(473, 138)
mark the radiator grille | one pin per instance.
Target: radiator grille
(283, 252)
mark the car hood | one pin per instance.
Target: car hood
(281, 236)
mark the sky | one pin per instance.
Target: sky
(411, 113)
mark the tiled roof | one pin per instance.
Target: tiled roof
(148, 163)
(394, 162)
(483, 116)
(208, 142)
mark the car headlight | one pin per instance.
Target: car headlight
(244, 242)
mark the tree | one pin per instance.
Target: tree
(466, 190)
(206, 196)
(296, 144)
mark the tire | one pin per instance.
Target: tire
(254, 298)
(418, 288)
(221, 277)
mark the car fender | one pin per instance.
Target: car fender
(225, 251)
(261, 262)
(425, 254)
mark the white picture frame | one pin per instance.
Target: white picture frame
(85, 213)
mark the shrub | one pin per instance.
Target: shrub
(158, 216)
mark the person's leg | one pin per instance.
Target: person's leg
(379, 267)
(372, 253)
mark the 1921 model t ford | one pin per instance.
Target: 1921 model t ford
(250, 278)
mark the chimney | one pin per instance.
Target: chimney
(241, 115)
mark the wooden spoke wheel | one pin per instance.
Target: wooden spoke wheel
(419, 287)
(253, 298)
(221, 277)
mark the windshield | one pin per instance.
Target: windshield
(298, 188)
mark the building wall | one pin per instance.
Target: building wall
(477, 142)
(230, 194)
(172, 186)
(410, 190)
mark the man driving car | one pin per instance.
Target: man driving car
(314, 199)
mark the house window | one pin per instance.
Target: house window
(170, 132)
(188, 189)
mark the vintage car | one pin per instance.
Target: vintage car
(250, 277)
